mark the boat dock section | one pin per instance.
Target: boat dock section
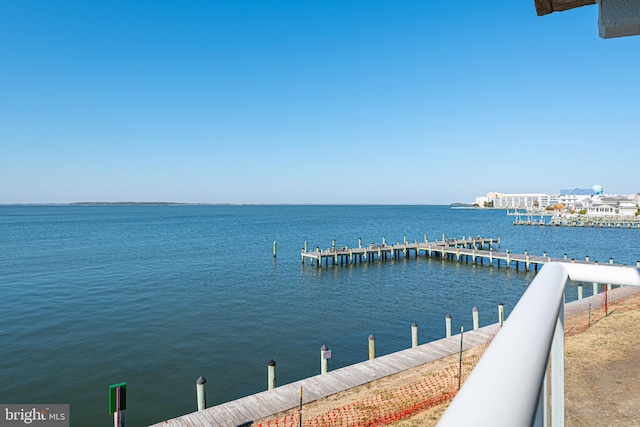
(619, 222)
(287, 397)
(464, 250)
(536, 217)
(382, 252)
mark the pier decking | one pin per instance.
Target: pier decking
(462, 250)
(287, 397)
(381, 252)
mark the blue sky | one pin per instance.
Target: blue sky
(311, 101)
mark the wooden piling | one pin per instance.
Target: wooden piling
(201, 394)
(372, 347)
(271, 375)
(447, 325)
(325, 354)
(414, 335)
(476, 318)
(501, 313)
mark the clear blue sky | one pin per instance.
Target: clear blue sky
(311, 101)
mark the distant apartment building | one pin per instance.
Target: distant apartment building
(515, 201)
(518, 201)
(593, 202)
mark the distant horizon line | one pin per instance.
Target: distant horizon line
(129, 203)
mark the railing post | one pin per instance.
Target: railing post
(557, 371)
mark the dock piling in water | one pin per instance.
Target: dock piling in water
(414, 335)
(372, 347)
(476, 318)
(447, 325)
(271, 375)
(201, 394)
(325, 354)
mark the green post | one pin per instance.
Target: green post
(118, 402)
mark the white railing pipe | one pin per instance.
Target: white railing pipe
(505, 386)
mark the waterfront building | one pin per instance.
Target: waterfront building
(515, 201)
(573, 198)
(610, 206)
(592, 201)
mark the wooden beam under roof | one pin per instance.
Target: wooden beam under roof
(544, 7)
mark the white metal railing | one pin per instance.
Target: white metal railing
(506, 387)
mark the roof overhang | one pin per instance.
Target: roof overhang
(616, 18)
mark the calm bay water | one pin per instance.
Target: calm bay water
(157, 296)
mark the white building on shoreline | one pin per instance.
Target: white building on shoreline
(517, 201)
(591, 202)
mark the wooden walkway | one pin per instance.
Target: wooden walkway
(464, 250)
(382, 252)
(595, 223)
(287, 397)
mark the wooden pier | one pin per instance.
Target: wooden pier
(620, 222)
(287, 397)
(382, 252)
(477, 250)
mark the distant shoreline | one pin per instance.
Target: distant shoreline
(89, 204)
